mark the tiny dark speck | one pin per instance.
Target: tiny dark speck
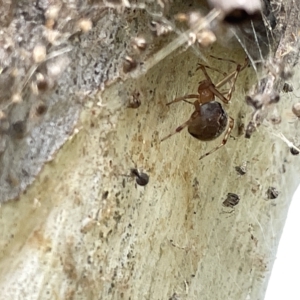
(19, 129)
(105, 195)
(272, 193)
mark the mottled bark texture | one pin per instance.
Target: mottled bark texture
(83, 93)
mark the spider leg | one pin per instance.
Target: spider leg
(238, 70)
(201, 66)
(227, 77)
(193, 103)
(233, 81)
(203, 69)
(178, 129)
(219, 94)
(232, 74)
(192, 96)
(224, 59)
(226, 135)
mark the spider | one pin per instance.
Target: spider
(209, 120)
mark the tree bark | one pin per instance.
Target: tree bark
(77, 228)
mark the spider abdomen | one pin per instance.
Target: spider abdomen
(209, 123)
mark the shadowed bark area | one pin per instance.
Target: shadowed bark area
(83, 94)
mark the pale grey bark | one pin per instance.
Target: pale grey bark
(83, 230)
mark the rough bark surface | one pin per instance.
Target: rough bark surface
(82, 230)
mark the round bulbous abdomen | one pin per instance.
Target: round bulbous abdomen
(210, 123)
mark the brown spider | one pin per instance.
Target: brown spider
(209, 120)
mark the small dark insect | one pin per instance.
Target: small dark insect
(287, 88)
(275, 119)
(105, 195)
(251, 127)
(231, 200)
(242, 170)
(174, 297)
(135, 101)
(142, 179)
(209, 120)
(272, 193)
(294, 151)
(240, 124)
(129, 64)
